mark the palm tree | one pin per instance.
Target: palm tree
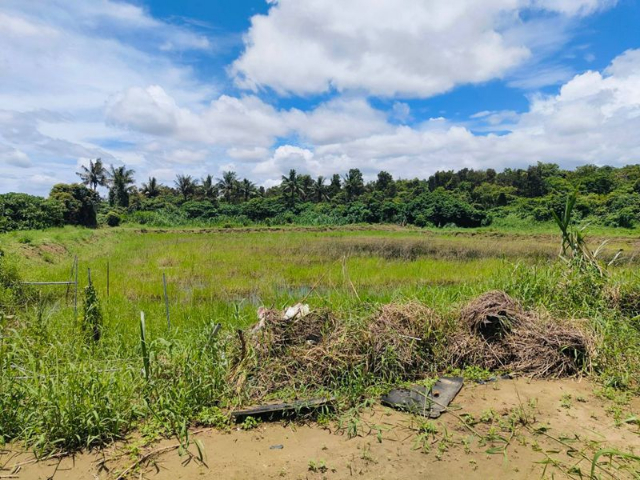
(95, 176)
(228, 185)
(151, 189)
(120, 181)
(291, 187)
(319, 190)
(209, 189)
(353, 184)
(306, 184)
(247, 189)
(334, 186)
(186, 185)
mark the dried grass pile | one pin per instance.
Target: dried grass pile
(401, 339)
(318, 350)
(496, 333)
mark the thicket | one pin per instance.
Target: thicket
(467, 198)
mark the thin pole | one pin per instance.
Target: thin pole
(73, 268)
(75, 297)
(166, 299)
(107, 278)
(89, 275)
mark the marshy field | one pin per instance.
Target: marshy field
(88, 390)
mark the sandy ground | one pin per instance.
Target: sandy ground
(568, 423)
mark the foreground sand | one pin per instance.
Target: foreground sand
(567, 422)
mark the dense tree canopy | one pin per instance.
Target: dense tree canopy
(466, 198)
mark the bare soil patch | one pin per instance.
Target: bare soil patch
(568, 423)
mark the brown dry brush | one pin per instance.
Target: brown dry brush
(318, 350)
(496, 333)
(404, 342)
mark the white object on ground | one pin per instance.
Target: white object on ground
(296, 311)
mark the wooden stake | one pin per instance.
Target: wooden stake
(107, 278)
(73, 269)
(75, 297)
(166, 299)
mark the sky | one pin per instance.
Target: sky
(171, 87)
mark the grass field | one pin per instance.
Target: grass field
(60, 392)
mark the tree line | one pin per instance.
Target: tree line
(464, 198)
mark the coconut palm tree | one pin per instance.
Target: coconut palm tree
(306, 184)
(335, 185)
(186, 185)
(209, 189)
(291, 187)
(151, 189)
(319, 190)
(247, 189)
(353, 184)
(120, 181)
(95, 176)
(228, 186)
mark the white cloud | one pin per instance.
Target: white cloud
(61, 61)
(395, 48)
(92, 79)
(13, 157)
(593, 119)
(230, 121)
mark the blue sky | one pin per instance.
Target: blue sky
(408, 86)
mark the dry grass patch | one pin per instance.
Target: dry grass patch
(320, 350)
(496, 333)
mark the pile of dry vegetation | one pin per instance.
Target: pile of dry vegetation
(404, 342)
(496, 333)
(318, 350)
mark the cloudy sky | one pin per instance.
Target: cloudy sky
(258, 87)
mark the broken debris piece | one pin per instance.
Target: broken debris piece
(283, 410)
(419, 400)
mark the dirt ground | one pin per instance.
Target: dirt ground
(558, 427)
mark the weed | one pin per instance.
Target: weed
(565, 401)
(92, 318)
(318, 466)
(214, 417)
(250, 423)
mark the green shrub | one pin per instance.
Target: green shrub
(11, 290)
(19, 211)
(79, 203)
(113, 219)
(92, 318)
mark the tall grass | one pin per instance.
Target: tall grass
(60, 392)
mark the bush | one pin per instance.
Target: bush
(441, 208)
(19, 211)
(79, 204)
(113, 219)
(11, 290)
(625, 218)
(195, 209)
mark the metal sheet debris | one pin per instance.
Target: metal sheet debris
(421, 401)
(283, 410)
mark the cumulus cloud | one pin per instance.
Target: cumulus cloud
(103, 79)
(61, 61)
(13, 157)
(593, 119)
(231, 121)
(400, 48)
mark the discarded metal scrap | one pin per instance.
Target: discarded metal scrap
(283, 410)
(421, 401)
